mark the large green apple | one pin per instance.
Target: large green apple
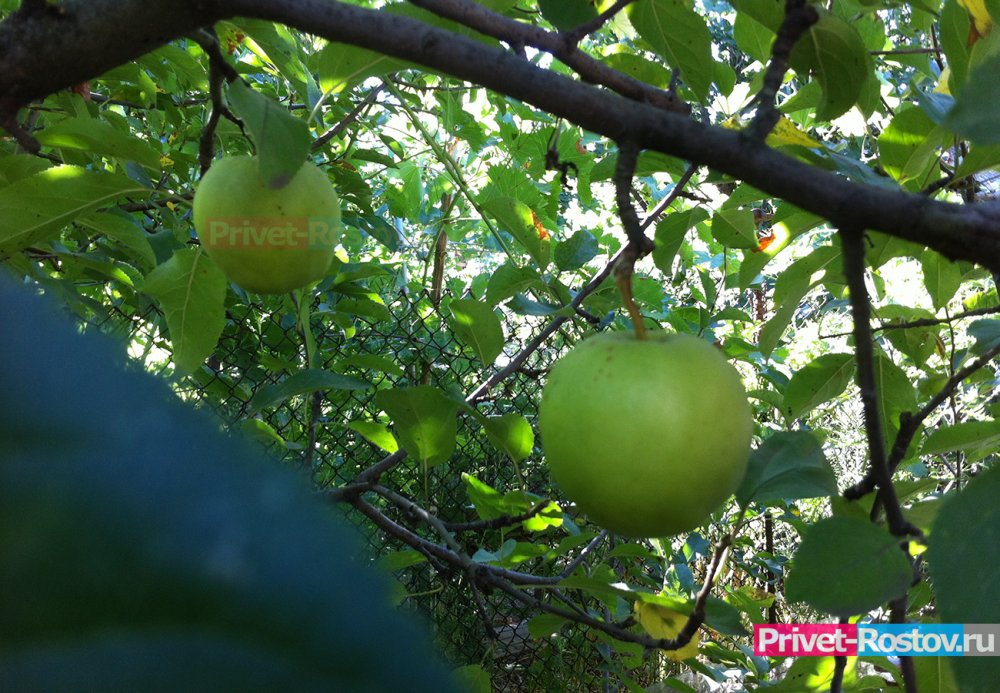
(648, 437)
(267, 240)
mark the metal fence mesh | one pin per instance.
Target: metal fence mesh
(258, 342)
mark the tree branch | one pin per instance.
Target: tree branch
(909, 423)
(561, 46)
(853, 242)
(799, 16)
(38, 57)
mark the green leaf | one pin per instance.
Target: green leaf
(472, 678)
(567, 14)
(261, 432)
(148, 551)
(908, 147)
(509, 280)
(817, 382)
(987, 335)
(342, 66)
(14, 167)
(814, 675)
(753, 38)
(833, 52)
(36, 208)
(942, 277)
(545, 625)
(896, 394)
(792, 285)
(769, 13)
(680, 36)
(723, 617)
(364, 307)
(400, 560)
(962, 555)
(918, 343)
(882, 247)
(281, 48)
(525, 306)
(304, 382)
(735, 228)
(191, 292)
(576, 251)
(376, 434)
(670, 235)
(979, 158)
(934, 675)
(972, 115)
(98, 137)
(787, 466)
(847, 566)
(124, 231)
(282, 139)
(475, 323)
(789, 222)
(490, 503)
(425, 420)
(511, 434)
(975, 438)
(641, 68)
(517, 218)
(373, 362)
(954, 32)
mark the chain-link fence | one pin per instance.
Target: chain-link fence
(407, 344)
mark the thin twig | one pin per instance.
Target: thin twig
(854, 270)
(587, 550)
(219, 72)
(579, 33)
(678, 191)
(799, 16)
(909, 423)
(25, 139)
(497, 522)
(638, 245)
(897, 614)
(839, 667)
(347, 120)
(923, 322)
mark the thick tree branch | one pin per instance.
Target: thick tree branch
(38, 57)
(561, 46)
(44, 52)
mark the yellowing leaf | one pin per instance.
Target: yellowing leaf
(981, 18)
(784, 132)
(787, 132)
(661, 622)
(942, 85)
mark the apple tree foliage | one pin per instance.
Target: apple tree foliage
(818, 181)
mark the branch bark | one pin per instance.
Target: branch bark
(40, 55)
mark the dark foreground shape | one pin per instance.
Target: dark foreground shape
(140, 549)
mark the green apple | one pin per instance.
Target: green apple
(267, 240)
(648, 437)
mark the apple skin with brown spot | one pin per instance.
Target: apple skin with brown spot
(648, 437)
(267, 240)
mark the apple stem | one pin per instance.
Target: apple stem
(623, 277)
